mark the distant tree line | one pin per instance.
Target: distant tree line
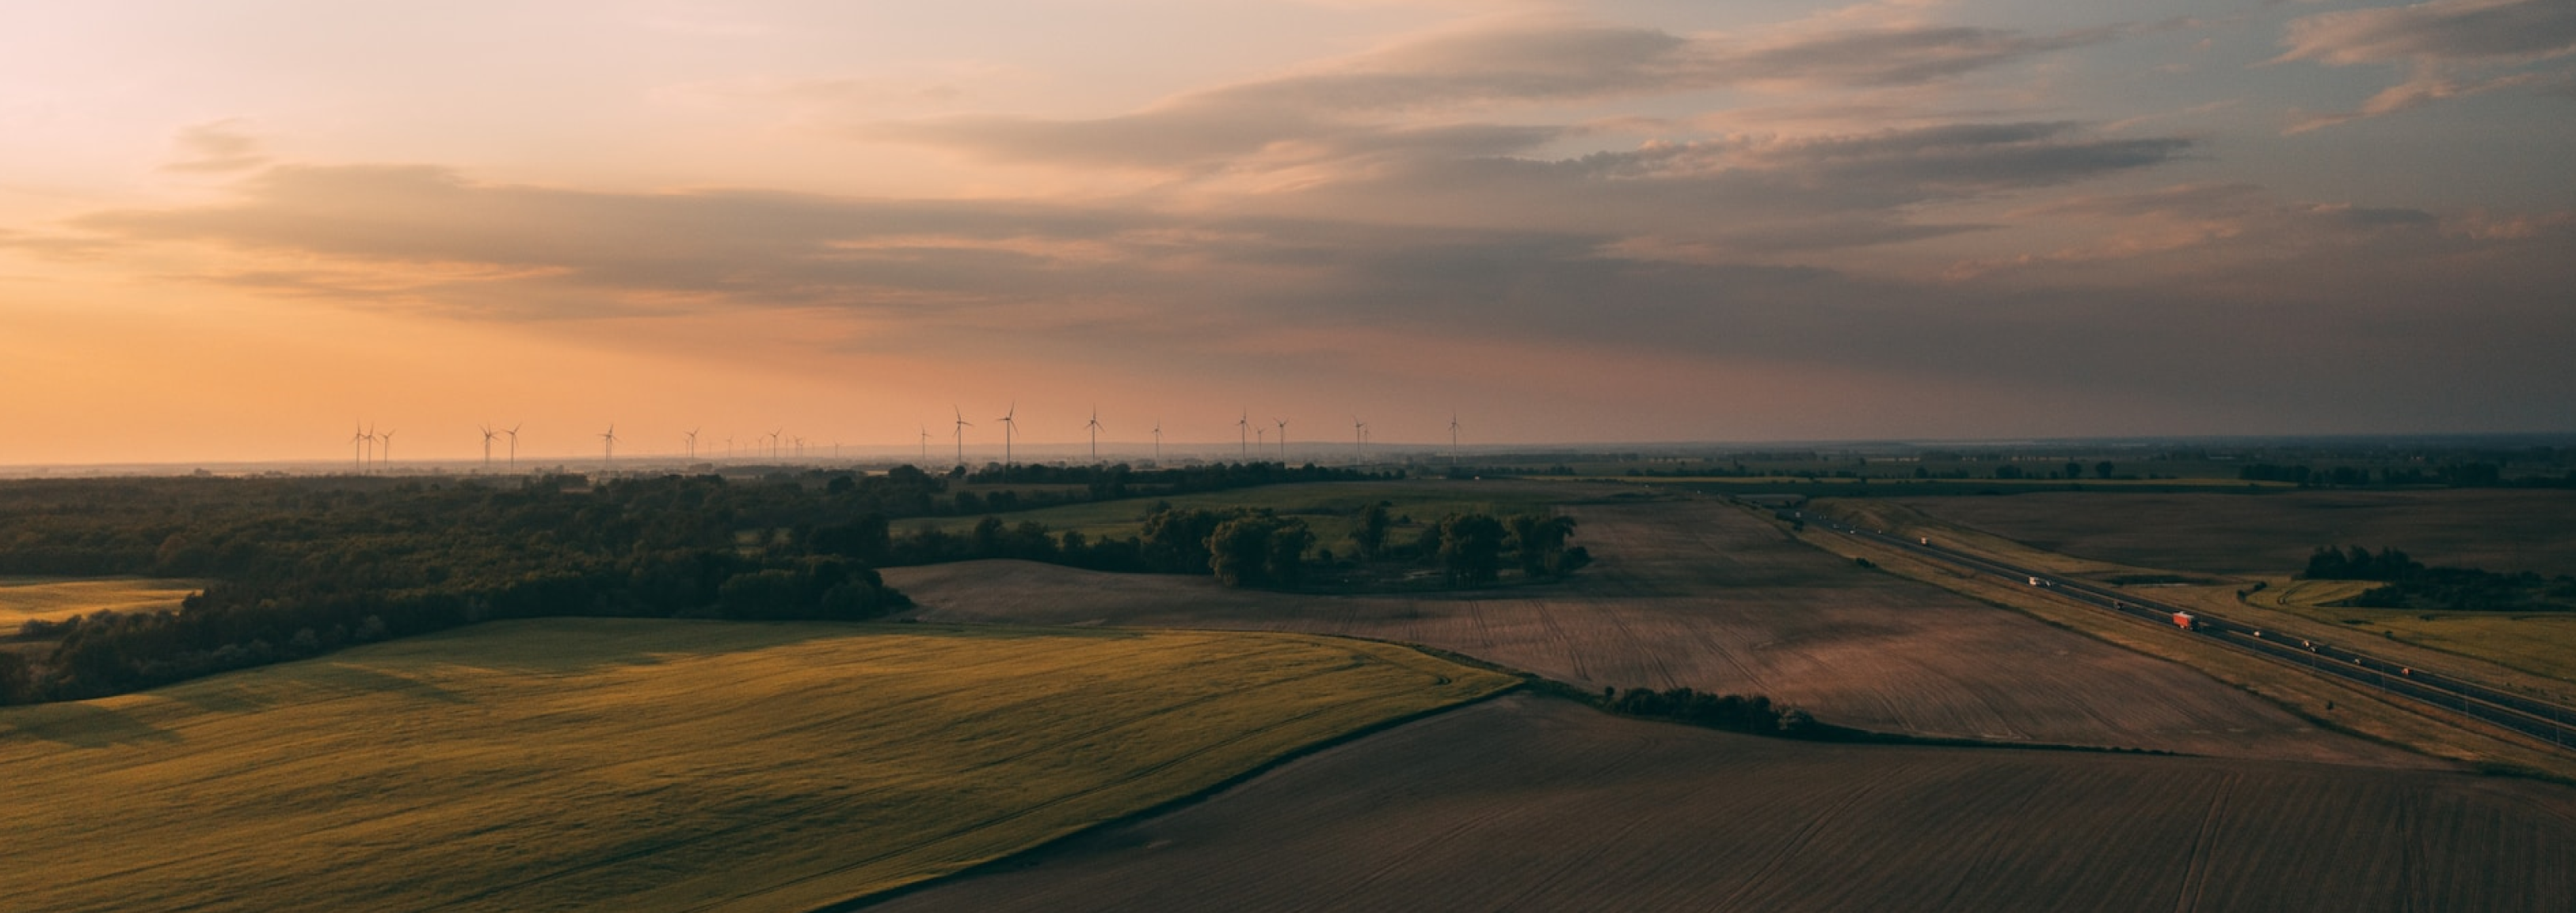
(1247, 547)
(2412, 585)
(300, 569)
(2452, 475)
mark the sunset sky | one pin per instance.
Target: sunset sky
(230, 230)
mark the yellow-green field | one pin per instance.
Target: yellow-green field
(2538, 643)
(655, 765)
(52, 598)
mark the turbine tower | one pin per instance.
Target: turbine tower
(488, 435)
(1359, 440)
(693, 444)
(925, 445)
(608, 448)
(962, 425)
(1283, 440)
(357, 439)
(388, 455)
(1094, 428)
(514, 447)
(1243, 439)
(1453, 440)
(1010, 427)
(369, 464)
(1158, 442)
(774, 440)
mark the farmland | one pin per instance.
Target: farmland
(1525, 803)
(2499, 530)
(655, 764)
(1698, 594)
(51, 599)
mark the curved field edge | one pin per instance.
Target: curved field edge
(658, 765)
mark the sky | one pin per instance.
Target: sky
(240, 230)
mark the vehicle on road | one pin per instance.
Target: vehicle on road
(2184, 621)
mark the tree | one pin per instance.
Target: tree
(1471, 549)
(2102, 470)
(1257, 549)
(1538, 542)
(1370, 536)
(2075, 470)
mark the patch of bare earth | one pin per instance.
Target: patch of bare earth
(1696, 594)
(1527, 803)
(2496, 529)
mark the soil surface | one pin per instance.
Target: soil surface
(1700, 594)
(2497, 530)
(1527, 803)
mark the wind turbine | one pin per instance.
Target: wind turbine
(728, 448)
(369, 464)
(608, 445)
(1009, 428)
(357, 438)
(1283, 440)
(1158, 442)
(1243, 442)
(1453, 439)
(488, 435)
(693, 444)
(388, 455)
(800, 447)
(962, 425)
(1359, 438)
(774, 441)
(1261, 434)
(1094, 428)
(925, 445)
(514, 447)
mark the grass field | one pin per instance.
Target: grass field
(51, 598)
(2538, 643)
(1331, 509)
(655, 765)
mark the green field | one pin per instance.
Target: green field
(1331, 509)
(656, 765)
(53, 598)
(2538, 643)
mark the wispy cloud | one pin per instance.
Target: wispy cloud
(2450, 48)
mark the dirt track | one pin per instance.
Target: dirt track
(1527, 803)
(1700, 594)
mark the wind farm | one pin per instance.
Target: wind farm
(1964, 456)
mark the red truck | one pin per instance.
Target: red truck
(2184, 621)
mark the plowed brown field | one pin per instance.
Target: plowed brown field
(1533, 804)
(1700, 594)
(2272, 533)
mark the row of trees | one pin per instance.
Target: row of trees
(1241, 547)
(1754, 714)
(2412, 585)
(2453, 475)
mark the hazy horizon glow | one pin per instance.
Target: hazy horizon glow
(229, 231)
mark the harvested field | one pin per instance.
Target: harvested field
(655, 765)
(1525, 803)
(1698, 594)
(2265, 534)
(54, 598)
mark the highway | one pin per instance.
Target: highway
(2543, 720)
